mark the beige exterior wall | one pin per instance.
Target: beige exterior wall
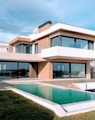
(33, 70)
(10, 48)
(45, 27)
(43, 43)
(45, 70)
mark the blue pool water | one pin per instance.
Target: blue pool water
(54, 94)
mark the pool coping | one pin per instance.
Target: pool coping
(59, 110)
(56, 108)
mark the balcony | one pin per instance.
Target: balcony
(67, 53)
(20, 57)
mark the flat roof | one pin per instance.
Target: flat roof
(52, 29)
(60, 26)
(20, 39)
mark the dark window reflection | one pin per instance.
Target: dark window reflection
(23, 70)
(71, 42)
(24, 48)
(8, 69)
(14, 69)
(68, 42)
(69, 70)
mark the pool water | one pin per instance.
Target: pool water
(54, 94)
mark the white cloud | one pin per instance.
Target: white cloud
(6, 37)
(21, 16)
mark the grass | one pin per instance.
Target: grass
(16, 107)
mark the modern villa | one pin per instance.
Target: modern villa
(58, 51)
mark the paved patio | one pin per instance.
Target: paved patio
(3, 85)
(67, 83)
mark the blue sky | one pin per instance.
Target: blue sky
(19, 17)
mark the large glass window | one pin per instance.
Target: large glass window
(81, 44)
(14, 69)
(23, 48)
(23, 70)
(8, 69)
(19, 48)
(77, 70)
(55, 41)
(29, 49)
(60, 70)
(68, 42)
(71, 42)
(66, 70)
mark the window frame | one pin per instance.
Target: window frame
(75, 39)
(70, 69)
(22, 47)
(35, 48)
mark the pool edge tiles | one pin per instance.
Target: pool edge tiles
(60, 110)
(56, 108)
(79, 106)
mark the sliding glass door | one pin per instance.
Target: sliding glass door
(60, 70)
(69, 70)
(8, 69)
(14, 69)
(77, 70)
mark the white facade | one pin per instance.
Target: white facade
(3, 47)
(66, 52)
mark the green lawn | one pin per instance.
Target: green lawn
(16, 107)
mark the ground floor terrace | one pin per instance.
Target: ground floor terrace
(78, 84)
(71, 109)
(54, 69)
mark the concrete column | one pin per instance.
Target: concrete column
(14, 49)
(33, 70)
(88, 73)
(33, 49)
(45, 70)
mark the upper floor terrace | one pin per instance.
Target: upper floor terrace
(59, 40)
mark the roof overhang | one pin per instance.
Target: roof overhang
(20, 39)
(20, 57)
(64, 27)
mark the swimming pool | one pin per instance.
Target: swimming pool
(56, 95)
(60, 100)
